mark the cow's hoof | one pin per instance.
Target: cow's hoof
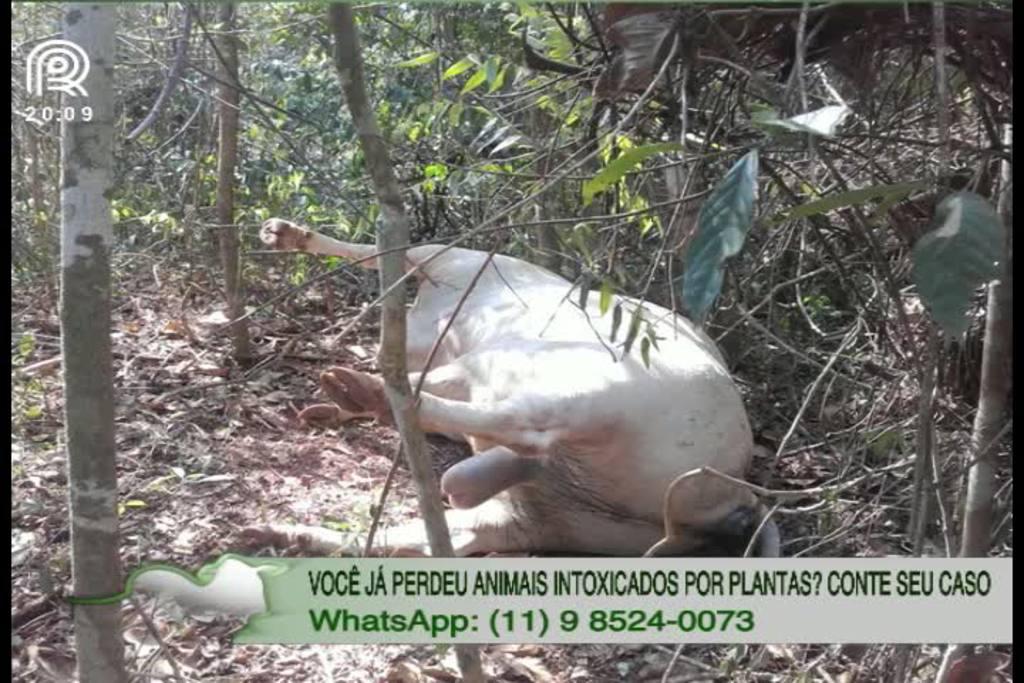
(284, 236)
(356, 392)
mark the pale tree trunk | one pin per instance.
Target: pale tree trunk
(996, 368)
(226, 160)
(392, 235)
(87, 157)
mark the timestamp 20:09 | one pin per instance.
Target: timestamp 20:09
(59, 113)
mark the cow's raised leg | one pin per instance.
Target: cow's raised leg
(433, 260)
(287, 236)
(528, 426)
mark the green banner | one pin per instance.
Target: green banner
(514, 600)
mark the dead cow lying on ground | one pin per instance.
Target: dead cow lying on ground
(575, 445)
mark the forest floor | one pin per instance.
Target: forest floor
(206, 448)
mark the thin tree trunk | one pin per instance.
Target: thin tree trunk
(393, 234)
(87, 156)
(227, 158)
(922, 493)
(996, 360)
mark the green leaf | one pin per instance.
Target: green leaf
(435, 170)
(722, 227)
(497, 81)
(584, 291)
(455, 114)
(645, 352)
(459, 67)
(606, 297)
(491, 67)
(420, 60)
(853, 197)
(961, 252)
(26, 345)
(475, 81)
(616, 319)
(634, 329)
(887, 441)
(616, 169)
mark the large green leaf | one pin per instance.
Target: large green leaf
(854, 197)
(961, 252)
(724, 222)
(475, 81)
(616, 169)
(420, 60)
(464, 64)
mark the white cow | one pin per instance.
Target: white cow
(575, 443)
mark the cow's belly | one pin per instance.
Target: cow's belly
(629, 430)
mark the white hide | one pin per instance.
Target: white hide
(524, 368)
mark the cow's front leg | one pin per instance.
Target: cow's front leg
(493, 527)
(507, 423)
(358, 394)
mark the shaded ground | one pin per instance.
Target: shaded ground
(206, 448)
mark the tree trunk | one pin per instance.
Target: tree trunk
(393, 234)
(996, 368)
(87, 157)
(227, 158)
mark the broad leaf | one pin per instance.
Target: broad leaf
(605, 302)
(722, 227)
(634, 329)
(455, 114)
(425, 58)
(461, 66)
(823, 122)
(616, 320)
(961, 252)
(498, 80)
(475, 81)
(505, 144)
(584, 291)
(853, 197)
(491, 69)
(617, 168)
